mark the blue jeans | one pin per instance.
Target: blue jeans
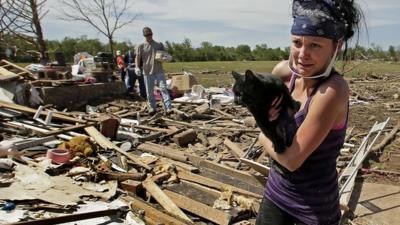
(150, 81)
(130, 81)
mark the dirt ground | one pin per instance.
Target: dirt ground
(380, 96)
(379, 99)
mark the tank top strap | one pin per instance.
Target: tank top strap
(315, 89)
(292, 83)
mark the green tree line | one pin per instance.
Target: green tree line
(185, 52)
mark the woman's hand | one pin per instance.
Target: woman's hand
(273, 112)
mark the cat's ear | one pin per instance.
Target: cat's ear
(249, 75)
(236, 75)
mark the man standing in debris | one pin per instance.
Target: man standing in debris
(121, 65)
(152, 70)
(130, 79)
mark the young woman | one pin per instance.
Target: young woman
(306, 190)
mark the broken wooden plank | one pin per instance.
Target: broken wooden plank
(198, 208)
(6, 75)
(31, 143)
(25, 109)
(66, 129)
(155, 216)
(238, 174)
(149, 128)
(264, 170)
(202, 108)
(236, 151)
(8, 65)
(214, 184)
(182, 165)
(387, 138)
(163, 151)
(107, 144)
(164, 200)
(184, 138)
(224, 113)
(34, 128)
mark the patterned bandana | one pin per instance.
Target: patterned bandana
(320, 18)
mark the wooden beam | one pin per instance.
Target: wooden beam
(4, 63)
(25, 109)
(198, 208)
(155, 215)
(31, 143)
(238, 174)
(163, 151)
(34, 128)
(236, 151)
(150, 128)
(107, 144)
(213, 183)
(66, 129)
(164, 200)
(182, 165)
(184, 138)
(264, 170)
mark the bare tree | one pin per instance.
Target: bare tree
(106, 16)
(22, 19)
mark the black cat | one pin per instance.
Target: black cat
(257, 92)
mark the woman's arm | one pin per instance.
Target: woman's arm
(327, 106)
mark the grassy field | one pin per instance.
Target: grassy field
(220, 71)
(222, 75)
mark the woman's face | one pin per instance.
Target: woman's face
(311, 55)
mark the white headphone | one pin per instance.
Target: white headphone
(324, 74)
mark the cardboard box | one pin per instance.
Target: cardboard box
(183, 82)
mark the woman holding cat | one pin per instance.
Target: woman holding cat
(307, 191)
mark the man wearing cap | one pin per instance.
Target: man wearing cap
(152, 70)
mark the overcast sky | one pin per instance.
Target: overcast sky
(224, 22)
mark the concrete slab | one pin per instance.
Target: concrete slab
(378, 204)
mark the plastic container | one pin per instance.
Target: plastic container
(58, 156)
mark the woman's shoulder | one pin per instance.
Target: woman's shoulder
(335, 85)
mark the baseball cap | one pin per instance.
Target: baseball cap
(147, 31)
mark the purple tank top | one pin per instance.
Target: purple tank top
(310, 193)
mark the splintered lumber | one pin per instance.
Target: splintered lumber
(182, 165)
(184, 138)
(6, 75)
(264, 170)
(202, 108)
(164, 200)
(222, 129)
(198, 208)
(224, 113)
(31, 143)
(107, 144)
(36, 129)
(21, 71)
(74, 217)
(236, 151)
(222, 169)
(150, 128)
(66, 129)
(153, 215)
(131, 186)
(25, 109)
(163, 151)
(213, 183)
(387, 138)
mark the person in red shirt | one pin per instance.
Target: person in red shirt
(121, 65)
